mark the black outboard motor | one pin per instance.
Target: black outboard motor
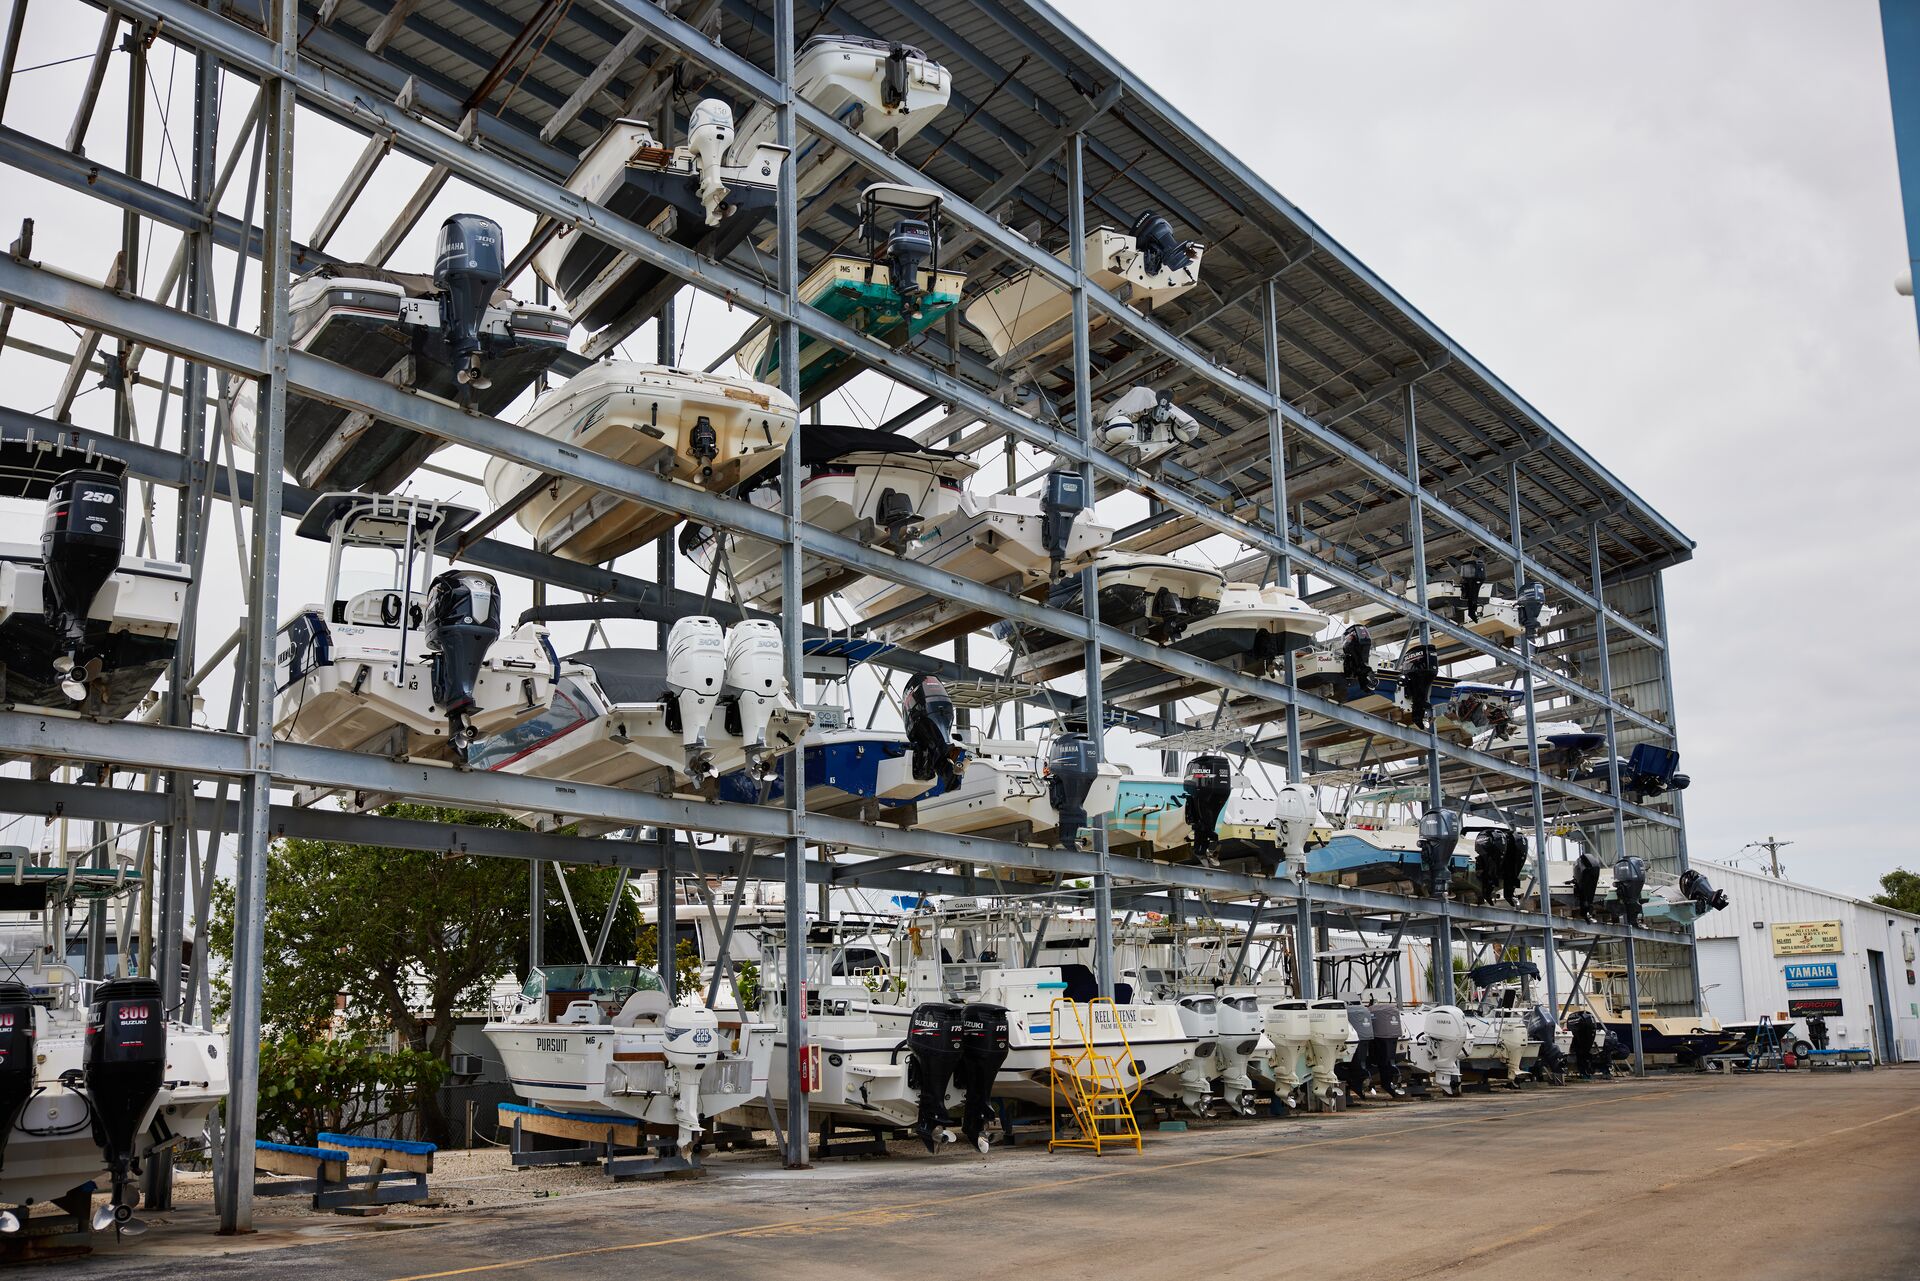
(1209, 786)
(1384, 1049)
(469, 266)
(1629, 886)
(1357, 1073)
(893, 78)
(1439, 835)
(80, 546)
(1154, 235)
(1071, 771)
(1515, 866)
(930, 730)
(1817, 1031)
(462, 623)
(704, 444)
(1499, 854)
(1063, 499)
(1553, 1062)
(909, 245)
(1417, 672)
(1586, 1037)
(934, 1039)
(1700, 890)
(983, 1048)
(1532, 600)
(126, 1062)
(1586, 884)
(1473, 580)
(1356, 656)
(16, 1058)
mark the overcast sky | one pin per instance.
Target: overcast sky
(1673, 229)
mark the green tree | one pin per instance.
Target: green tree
(1900, 889)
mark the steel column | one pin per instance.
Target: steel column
(1678, 799)
(1613, 789)
(1436, 798)
(1533, 760)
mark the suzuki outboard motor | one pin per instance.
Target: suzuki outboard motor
(1295, 812)
(1629, 886)
(1209, 786)
(1445, 1038)
(126, 1061)
(693, 1044)
(469, 266)
(709, 134)
(1327, 1032)
(1700, 890)
(1154, 236)
(983, 1048)
(80, 547)
(909, 245)
(756, 678)
(16, 1060)
(696, 673)
(1071, 771)
(1061, 502)
(1417, 672)
(1473, 581)
(930, 730)
(462, 623)
(1356, 656)
(1385, 1049)
(1532, 600)
(1439, 836)
(935, 1039)
(1586, 884)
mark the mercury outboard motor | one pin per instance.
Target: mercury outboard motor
(16, 1062)
(462, 623)
(1585, 1048)
(1700, 890)
(1586, 884)
(1209, 786)
(935, 1040)
(1154, 235)
(1473, 580)
(1417, 672)
(893, 77)
(909, 245)
(1061, 502)
(1071, 771)
(1357, 1071)
(1629, 886)
(80, 547)
(469, 265)
(983, 1048)
(1552, 1064)
(1356, 656)
(1385, 1049)
(1439, 835)
(126, 1061)
(1532, 600)
(696, 673)
(930, 714)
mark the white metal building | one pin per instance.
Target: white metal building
(1789, 950)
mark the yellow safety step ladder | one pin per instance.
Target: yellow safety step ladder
(1086, 1079)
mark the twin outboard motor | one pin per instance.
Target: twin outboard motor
(1473, 581)
(468, 266)
(1629, 886)
(1700, 890)
(1154, 236)
(983, 1048)
(1209, 787)
(909, 245)
(80, 547)
(1586, 884)
(1356, 656)
(1061, 502)
(709, 134)
(1072, 768)
(1530, 603)
(936, 1041)
(1418, 671)
(16, 1061)
(1384, 1049)
(930, 716)
(462, 623)
(1439, 836)
(696, 674)
(1500, 853)
(756, 678)
(126, 1062)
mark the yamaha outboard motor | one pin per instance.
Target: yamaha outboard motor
(1473, 580)
(1071, 771)
(983, 1048)
(1629, 886)
(80, 547)
(1586, 884)
(935, 1040)
(462, 623)
(1154, 236)
(1417, 671)
(126, 1061)
(1063, 499)
(909, 245)
(1532, 600)
(1356, 656)
(1553, 1062)
(1385, 1049)
(1356, 1072)
(16, 1059)
(1209, 786)
(1700, 890)
(930, 730)
(469, 266)
(1439, 835)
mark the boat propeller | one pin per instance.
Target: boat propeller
(119, 1217)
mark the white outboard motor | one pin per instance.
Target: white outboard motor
(709, 134)
(462, 623)
(693, 1041)
(1240, 1024)
(470, 264)
(1296, 812)
(1511, 1027)
(1290, 1028)
(1440, 1045)
(1199, 1019)
(1327, 1033)
(80, 547)
(756, 679)
(696, 673)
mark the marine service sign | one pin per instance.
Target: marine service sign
(1806, 938)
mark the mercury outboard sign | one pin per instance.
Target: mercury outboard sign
(125, 1068)
(983, 1048)
(1071, 771)
(1629, 885)
(80, 549)
(930, 730)
(463, 622)
(935, 1041)
(1700, 890)
(468, 267)
(16, 1058)
(1439, 835)
(1209, 786)
(1063, 499)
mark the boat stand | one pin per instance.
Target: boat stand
(621, 1147)
(835, 1142)
(396, 1171)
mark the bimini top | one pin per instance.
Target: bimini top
(382, 520)
(31, 461)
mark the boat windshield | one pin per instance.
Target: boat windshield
(613, 983)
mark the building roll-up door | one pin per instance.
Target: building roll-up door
(1720, 981)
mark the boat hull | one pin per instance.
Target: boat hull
(132, 626)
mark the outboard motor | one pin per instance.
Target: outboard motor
(1072, 768)
(1061, 502)
(1209, 786)
(469, 265)
(893, 77)
(1327, 1032)
(1445, 1038)
(16, 1062)
(1200, 1019)
(1356, 656)
(80, 547)
(930, 730)
(1154, 236)
(935, 1040)
(1417, 672)
(1512, 1030)
(462, 623)
(983, 1048)
(1240, 1023)
(909, 245)
(126, 1062)
(756, 678)
(693, 1041)
(1552, 1063)
(1531, 602)
(709, 134)
(703, 442)
(1356, 1071)
(1473, 580)
(1629, 886)
(1385, 1049)
(1439, 836)
(1290, 1028)
(696, 673)
(1585, 1049)
(1295, 811)
(1700, 890)
(1499, 854)
(1586, 884)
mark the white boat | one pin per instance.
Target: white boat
(1026, 311)
(1563, 745)
(1143, 426)
(1156, 597)
(604, 1039)
(1008, 787)
(398, 669)
(1464, 598)
(1253, 629)
(83, 627)
(705, 431)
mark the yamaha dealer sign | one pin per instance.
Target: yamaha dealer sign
(1811, 974)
